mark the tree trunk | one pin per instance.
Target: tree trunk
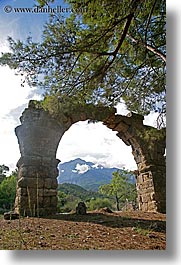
(117, 203)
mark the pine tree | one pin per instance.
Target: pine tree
(104, 52)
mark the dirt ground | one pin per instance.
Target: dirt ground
(96, 230)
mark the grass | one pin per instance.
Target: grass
(142, 231)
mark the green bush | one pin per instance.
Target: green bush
(67, 202)
(98, 203)
(7, 193)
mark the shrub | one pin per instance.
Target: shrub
(98, 203)
(7, 192)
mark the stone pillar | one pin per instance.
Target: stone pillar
(148, 148)
(36, 193)
(151, 179)
(38, 137)
(151, 188)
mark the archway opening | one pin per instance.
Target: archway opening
(96, 143)
(90, 154)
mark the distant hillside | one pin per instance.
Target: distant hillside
(86, 174)
(77, 191)
(69, 195)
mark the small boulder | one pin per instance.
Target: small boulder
(81, 208)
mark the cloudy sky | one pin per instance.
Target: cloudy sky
(92, 142)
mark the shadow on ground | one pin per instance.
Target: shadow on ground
(114, 221)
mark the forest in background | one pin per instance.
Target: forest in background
(115, 195)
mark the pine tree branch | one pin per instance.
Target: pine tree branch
(125, 30)
(149, 19)
(149, 47)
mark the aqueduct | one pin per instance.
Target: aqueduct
(40, 133)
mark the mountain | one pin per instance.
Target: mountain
(86, 174)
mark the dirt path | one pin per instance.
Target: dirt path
(96, 230)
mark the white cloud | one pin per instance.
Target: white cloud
(122, 109)
(13, 100)
(12, 93)
(148, 120)
(81, 169)
(151, 119)
(9, 154)
(95, 143)
(97, 166)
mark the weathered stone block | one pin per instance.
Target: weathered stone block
(48, 183)
(47, 211)
(11, 215)
(49, 192)
(40, 192)
(146, 177)
(120, 118)
(121, 127)
(152, 206)
(144, 207)
(53, 200)
(135, 117)
(40, 200)
(124, 138)
(145, 198)
(47, 202)
(21, 191)
(30, 182)
(54, 183)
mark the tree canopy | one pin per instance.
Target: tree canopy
(103, 53)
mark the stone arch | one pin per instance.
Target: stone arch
(40, 133)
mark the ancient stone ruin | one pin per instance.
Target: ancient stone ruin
(39, 135)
